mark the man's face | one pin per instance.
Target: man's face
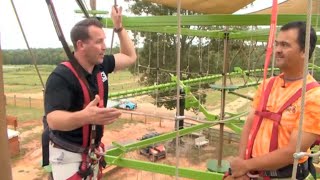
(95, 46)
(289, 55)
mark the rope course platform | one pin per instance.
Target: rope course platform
(220, 87)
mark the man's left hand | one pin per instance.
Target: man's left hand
(116, 16)
(238, 167)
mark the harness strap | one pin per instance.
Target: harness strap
(255, 130)
(85, 168)
(85, 128)
(275, 128)
(102, 161)
(67, 145)
(276, 117)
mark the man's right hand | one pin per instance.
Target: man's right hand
(100, 116)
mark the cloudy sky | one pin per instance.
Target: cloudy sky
(38, 27)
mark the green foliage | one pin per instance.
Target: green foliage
(42, 56)
(24, 79)
(51, 56)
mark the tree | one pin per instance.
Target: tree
(157, 57)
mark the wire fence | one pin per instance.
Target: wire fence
(27, 102)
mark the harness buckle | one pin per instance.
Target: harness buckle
(84, 173)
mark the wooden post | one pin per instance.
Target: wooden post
(229, 138)
(29, 102)
(223, 94)
(5, 169)
(14, 101)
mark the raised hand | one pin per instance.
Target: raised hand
(116, 16)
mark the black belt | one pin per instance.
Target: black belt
(62, 144)
(286, 172)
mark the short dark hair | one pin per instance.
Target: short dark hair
(302, 28)
(80, 30)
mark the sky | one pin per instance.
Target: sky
(38, 26)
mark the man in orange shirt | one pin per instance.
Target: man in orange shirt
(274, 160)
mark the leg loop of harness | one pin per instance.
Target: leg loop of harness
(90, 161)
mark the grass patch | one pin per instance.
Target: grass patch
(31, 137)
(24, 113)
(118, 124)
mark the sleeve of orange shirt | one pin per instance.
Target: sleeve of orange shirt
(311, 121)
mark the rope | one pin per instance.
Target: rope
(317, 21)
(83, 8)
(157, 75)
(93, 4)
(34, 60)
(58, 29)
(112, 37)
(200, 55)
(164, 49)
(178, 86)
(305, 73)
(208, 63)
(148, 69)
(197, 119)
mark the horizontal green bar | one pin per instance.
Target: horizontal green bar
(208, 20)
(260, 34)
(184, 31)
(157, 139)
(149, 89)
(168, 24)
(94, 12)
(162, 168)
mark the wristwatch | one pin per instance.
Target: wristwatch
(117, 30)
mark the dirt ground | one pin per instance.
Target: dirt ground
(28, 164)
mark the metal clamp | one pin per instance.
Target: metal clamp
(180, 117)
